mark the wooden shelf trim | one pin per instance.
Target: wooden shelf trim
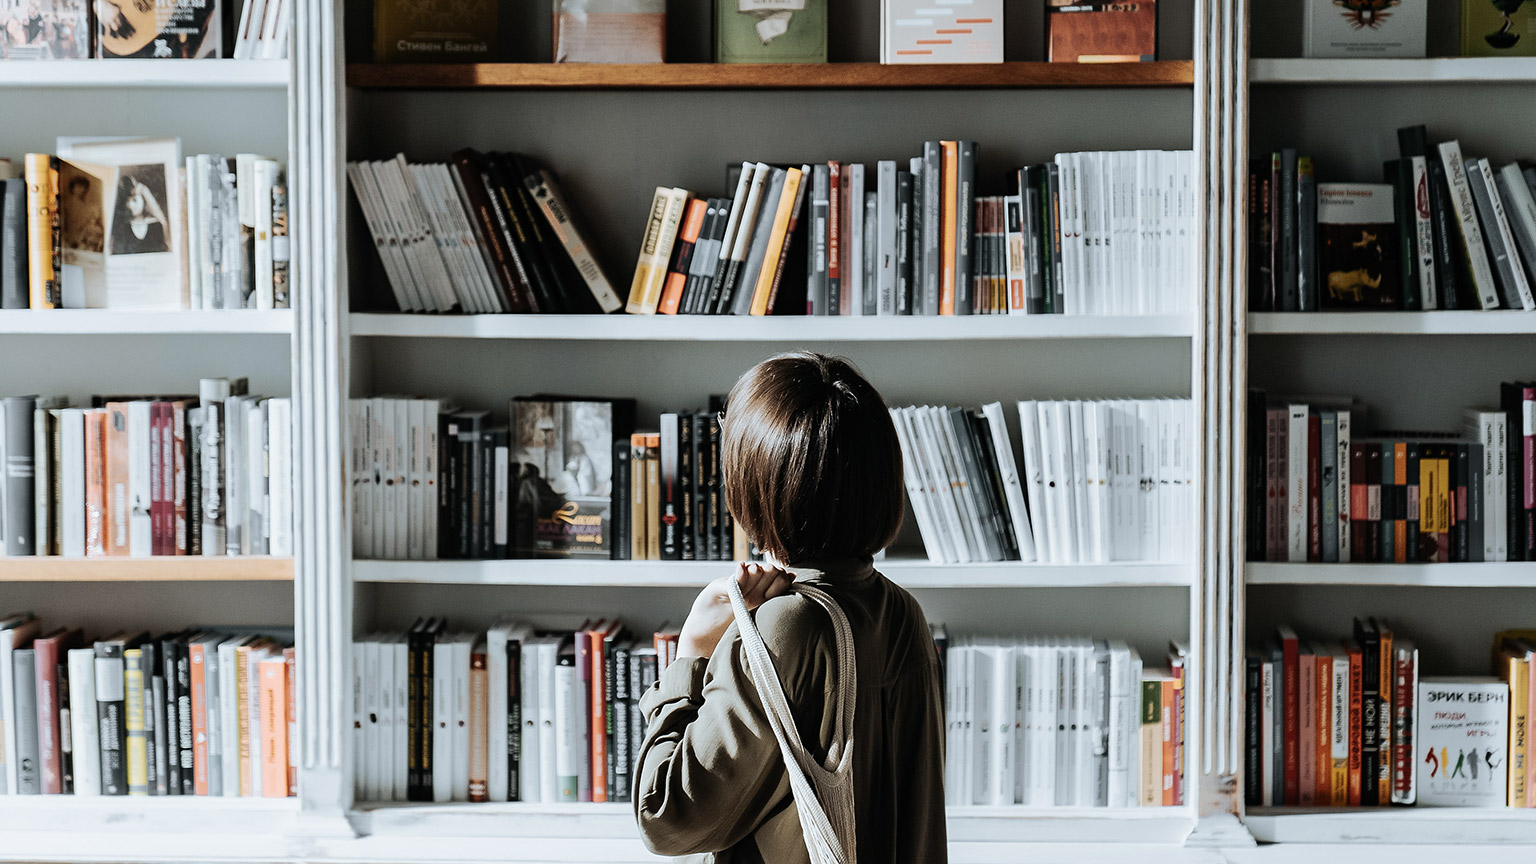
(252, 568)
(766, 76)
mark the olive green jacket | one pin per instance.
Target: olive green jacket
(711, 777)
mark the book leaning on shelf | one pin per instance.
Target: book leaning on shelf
(1442, 232)
(1352, 723)
(127, 223)
(1088, 233)
(207, 474)
(1320, 490)
(204, 712)
(1097, 482)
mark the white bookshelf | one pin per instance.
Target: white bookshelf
(1410, 72)
(1480, 826)
(1503, 574)
(145, 74)
(1499, 322)
(146, 322)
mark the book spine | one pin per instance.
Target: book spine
(1470, 236)
(112, 737)
(670, 505)
(479, 757)
(1314, 488)
(949, 226)
(137, 754)
(1306, 235)
(1290, 682)
(14, 285)
(546, 193)
(51, 686)
(1404, 732)
(19, 465)
(1290, 299)
(1356, 725)
(1328, 447)
(1370, 726)
(43, 247)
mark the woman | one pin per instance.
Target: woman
(813, 475)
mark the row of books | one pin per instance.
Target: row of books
(207, 474)
(485, 232)
(76, 29)
(1442, 232)
(1350, 723)
(635, 31)
(1088, 233)
(129, 223)
(1100, 481)
(512, 713)
(1062, 722)
(195, 712)
(1489, 28)
(1319, 491)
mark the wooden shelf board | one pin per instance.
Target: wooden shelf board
(1393, 826)
(769, 76)
(1426, 70)
(145, 322)
(253, 568)
(726, 328)
(202, 74)
(1449, 323)
(695, 574)
(1506, 574)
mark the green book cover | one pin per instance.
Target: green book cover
(1498, 28)
(771, 31)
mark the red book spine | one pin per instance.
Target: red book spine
(834, 230)
(598, 710)
(1307, 731)
(1178, 734)
(1359, 510)
(179, 475)
(290, 659)
(166, 416)
(156, 490)
(200, 720)
(1315, 488)
(1324, 743)
(1402, 727)
(48, 745)
(583, 673)
(682, 257)
(1356, 701)
(1290, 748)
(1274, 485)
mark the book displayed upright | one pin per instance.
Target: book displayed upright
(435, 31)
(1371, 29)
(1497, 28)
(1100, 32)
(770, 31)
(610, 31)
(967, 31)
(187, 29)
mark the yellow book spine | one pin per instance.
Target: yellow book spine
(137, 761)
(643, 266)
(42, 176)
(1518, 674)
(242, 692)
(661, 254)
(776, 242)
(949, 206)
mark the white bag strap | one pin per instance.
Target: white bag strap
(823, 792)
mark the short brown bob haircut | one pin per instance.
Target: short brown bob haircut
(811, 461)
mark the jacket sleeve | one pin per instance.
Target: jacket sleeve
(710, 770)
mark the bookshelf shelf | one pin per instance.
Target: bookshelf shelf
(254, 568)
(116, 828)
(145, 322)
(690, 328)
(1444, 323)
(1431, 70)
(200, 74)
(766, 76)
(1396, 826)
(1506, 574)
(911, 573)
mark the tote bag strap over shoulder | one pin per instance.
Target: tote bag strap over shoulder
(823, 792)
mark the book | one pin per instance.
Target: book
(1364, 29)
(1100, 32)
(916, 32)
(1461, 721)
(1491, 28)
(191, 30)
(53, 30)
(764, 31)
(1468, 233)
(610, 31)
(564, 484)
(435, 32)
(1357, 241)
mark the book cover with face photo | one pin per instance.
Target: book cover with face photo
(126, 192)
(44, 29)
(562, 475)
(159, 29)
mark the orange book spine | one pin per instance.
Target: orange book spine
(95, 483)
(479, 743)
(682, 255)
(197, 656)
(274, 727)
(599, 712)
(1169, 742)
(1324, 741)
(1356, 683)
(290, 660)
(1399, 526)
(949, 206)
(1385, 714)
(116, 461)
(776, 241)
(42, 177)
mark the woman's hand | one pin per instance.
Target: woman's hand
(711, 613)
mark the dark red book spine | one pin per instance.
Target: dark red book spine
(1291, 733)
(1359, 503)
(1315, 488)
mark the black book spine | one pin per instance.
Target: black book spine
(486, 468)
(981, 434)
(698, 485)
(1472, 476)
(498, 478)
(563, 287)
(1253, 697)
(172, 717)
(413, 790)
(184, 715)
(1460, 536)
(1290, 289)
(965, 228)
(1411, 533)
(671, 502)
(1257, 467)
(619, 511)
(620, 747)
(685, 454)
(1055, 297)
(66, 732)
(1370, 712)
(974, 482)
(112, 731)
(700, 254)
(423, 718)
(514, 719)
(13, 245)
(1510, 401)
(904, 267)
(716, 497)
(1414, 141)
(447, 487)
(610, 751)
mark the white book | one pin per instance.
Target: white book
(1048, 695)
(1338, 732)
(360, 766)
(195, 229)
(1021, 741)
(885, 234)
(1078, 484)
(1096, 452)
(1123, 710)
(548, 649)
(529, 753)
(965, 668)
(1476, 718)
(567, 738)
(941, 502)
(252, 708)
(1147, 515)
(853, 265)
(266, 36)
(1065, 711)
(1169, 483)
(214, 695)
(360, 478)
(84, 735)
(414, 445)
(1520, 205)
(446, 240)
(385, 685)
(1013, 488)
(422, 242)
(1470, 235)
(1505, 232)
(1004, 682)
(1060, 545)
(1060, 458)
(462, 645)
(277, 46)
(255, 529)
(400, 418)
(916, 493)
(391, 218)
(979, 743)
(1343, 432)
(264, 176)
(1068, 263)
(381, 449)
(1423, 233)
(401, 683)
(229, 715)
(1487, 428)
(953, 789)
(1086, 683)
(371, 754)
(1033, 480)
(1267, 705)
(72, 481)
(235, 472)
(251, 15)
(1328, 31)
(280, 456)
(475, 257)
(1296, 484)
(442, 719)
(360, 177)
(140, 526)
(949, 494)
